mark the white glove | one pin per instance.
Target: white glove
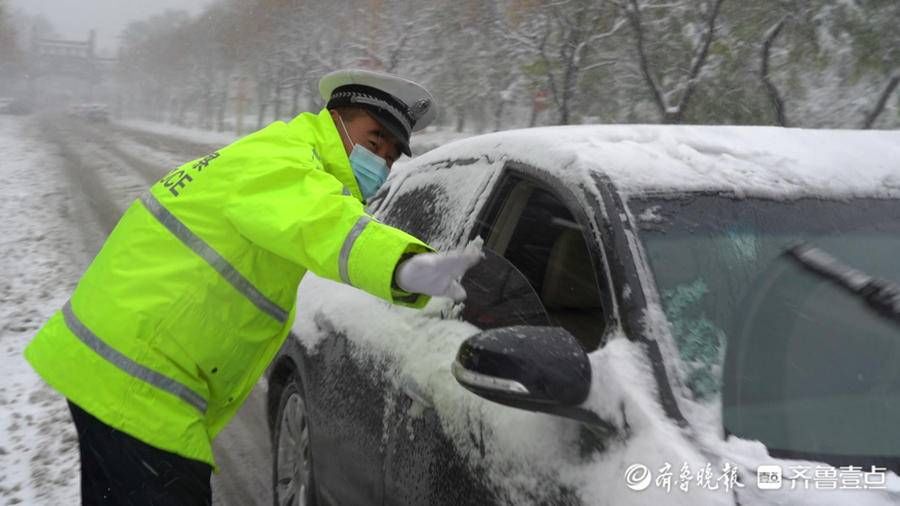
(437, 274)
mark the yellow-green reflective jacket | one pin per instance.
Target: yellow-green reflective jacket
(194, 291)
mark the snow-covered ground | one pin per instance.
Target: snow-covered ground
(64, 185)
(42, 258)
(191, 134)
(421, 142)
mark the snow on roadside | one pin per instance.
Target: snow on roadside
(183, 133)
(42, 258)
(433, 137)
(421, 142)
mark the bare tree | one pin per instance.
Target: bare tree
(563, 36)
(672, 111)
(490, 63)
(10, 54)
(394, 34)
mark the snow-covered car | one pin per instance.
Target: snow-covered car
(665, 315)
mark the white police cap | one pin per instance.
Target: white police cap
(400, 105)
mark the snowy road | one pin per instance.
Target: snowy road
(64, 185)
(42, 258)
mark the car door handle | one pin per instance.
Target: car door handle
(412, 390)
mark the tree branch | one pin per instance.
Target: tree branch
(699, 62)
(516, 36)
(633, 13)
(604, 63)
(394, 56)
(772, 91)
(882, 100)
(551, 80)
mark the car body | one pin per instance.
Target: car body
(665, 254)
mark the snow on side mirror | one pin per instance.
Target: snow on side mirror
(533, 368)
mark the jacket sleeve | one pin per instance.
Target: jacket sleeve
(299, 212)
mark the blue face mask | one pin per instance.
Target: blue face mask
(370, 169)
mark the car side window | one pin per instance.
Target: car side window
(538, 234)
(418, 211)
(437, 203)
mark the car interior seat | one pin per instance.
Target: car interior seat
(570, 292)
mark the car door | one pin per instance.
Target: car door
(344, 403)
(350, 376)
(444, 446)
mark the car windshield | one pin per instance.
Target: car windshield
(799, 356)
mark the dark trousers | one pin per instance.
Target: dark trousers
(119, 469)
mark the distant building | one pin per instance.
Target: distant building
(69, 70)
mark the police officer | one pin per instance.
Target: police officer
(194, 291)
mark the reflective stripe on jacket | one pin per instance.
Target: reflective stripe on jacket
(194, 290)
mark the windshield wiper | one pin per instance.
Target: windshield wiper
(880, 294)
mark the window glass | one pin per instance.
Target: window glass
(438, 203)
(419, 211)
(799, 358)
(548, 246)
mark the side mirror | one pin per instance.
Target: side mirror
(533, 368)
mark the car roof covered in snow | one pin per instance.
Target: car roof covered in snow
(744, 160)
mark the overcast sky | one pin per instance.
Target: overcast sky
(74, 18)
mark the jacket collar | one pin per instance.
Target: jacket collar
(328, 147)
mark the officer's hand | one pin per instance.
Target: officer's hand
(437, 274)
